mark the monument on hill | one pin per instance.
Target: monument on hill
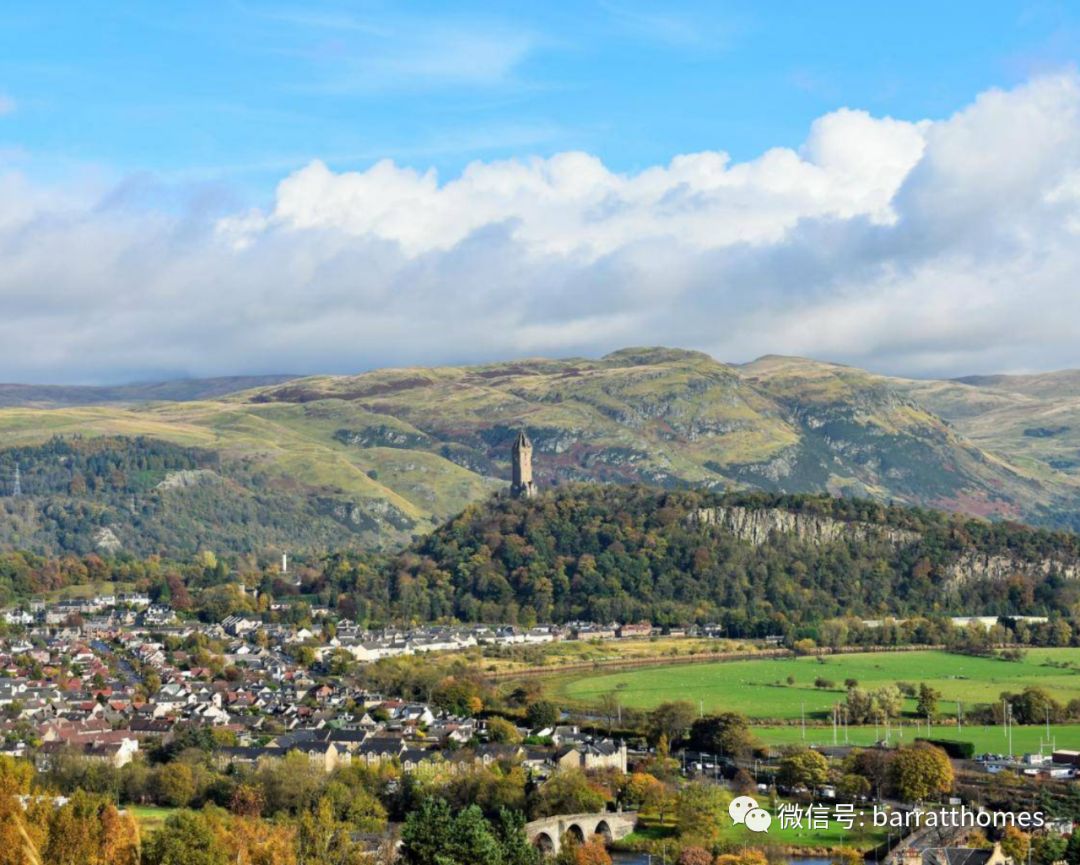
(522, 486)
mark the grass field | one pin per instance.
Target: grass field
(759, 688)
(986, 739)
(516, 658)
(149, 817)
(862, 837)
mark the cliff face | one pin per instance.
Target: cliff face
(972, 567)
(755, 525)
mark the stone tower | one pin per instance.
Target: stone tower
(522, 486)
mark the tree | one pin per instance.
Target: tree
(16, 776)
(542, 714)
(247, 801)
(700, 812)
(852, 786)
(509, 829)
(257, 842)
(432, 835)
(567, 791)
(501, 730)
(920, 771)
(928, 700)
(592, 852)
(728, 734)
(871, 764)
(847, 856)
(184, 839)
(1050, 848)
(637, 789)
(1033, 706)
(1072, 849)
(889, 701)
(175, 784)
(694, 856)
(321, 838)
(119, 837)
(803, 768)
(1015, 844)
(671, 719)
(749, 856)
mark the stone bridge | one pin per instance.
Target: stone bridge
(547, 834)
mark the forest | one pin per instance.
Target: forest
(630, 553)
(620, 553)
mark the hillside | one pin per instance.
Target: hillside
(178, 390)
(753, 562)
(371, 460)
(747, 561)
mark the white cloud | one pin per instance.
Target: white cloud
(7, 104)
(943, 246)
(851, 166)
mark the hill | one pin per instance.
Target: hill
(372, 460)
(755, 563)
(751, 561)
(180, 390)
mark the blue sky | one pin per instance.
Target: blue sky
(197, 188)
(246, 91)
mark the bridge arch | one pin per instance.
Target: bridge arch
(548, 833)
(545, 844)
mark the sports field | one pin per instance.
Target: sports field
(992, 740)
(759, 688)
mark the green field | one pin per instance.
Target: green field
(759, 688)
(836, 835)
(986, 739)
(149, 817)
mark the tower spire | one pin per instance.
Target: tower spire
(522, 486)
(16, 487)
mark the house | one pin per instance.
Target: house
(961, 856)
(325, 755)
(115, 753)
(605, 754)
(379, 749)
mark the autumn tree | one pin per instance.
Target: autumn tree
(694, 856)
(1015, 844)
(700, 812)
(803, 768)
(502, 731)
(185, 838)
(920, 771)
(567, 791)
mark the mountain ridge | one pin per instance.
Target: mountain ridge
(377, 457)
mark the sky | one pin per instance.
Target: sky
(244, 187)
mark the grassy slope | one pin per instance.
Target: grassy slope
(1003, 413)
(657, 416)
(758, 688)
